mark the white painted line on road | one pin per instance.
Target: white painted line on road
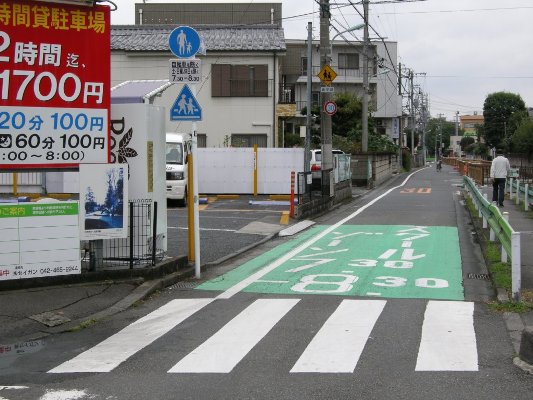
(225, 349)
(110, 353)
(448, 338)
(338, 345)
(65, 395)
(293, 253)
(13, 387)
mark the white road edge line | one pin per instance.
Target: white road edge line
(291, 254)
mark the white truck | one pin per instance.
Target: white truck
(177, 148)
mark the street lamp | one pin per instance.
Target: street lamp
(353, 28)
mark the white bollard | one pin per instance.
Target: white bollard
(517, 192)
(516, 269)
(492, 235)
(504, 253)
(511, 189)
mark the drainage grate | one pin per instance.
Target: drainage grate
(482, 277)
(183, 285)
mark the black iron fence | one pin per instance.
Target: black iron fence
(143, 247)
(313, 185)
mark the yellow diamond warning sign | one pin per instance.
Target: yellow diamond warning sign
(327, 75)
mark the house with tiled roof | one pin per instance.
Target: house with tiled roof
(238, 90)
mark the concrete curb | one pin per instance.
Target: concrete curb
(138, 294)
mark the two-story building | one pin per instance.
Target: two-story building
(237, 93)
(347, 63)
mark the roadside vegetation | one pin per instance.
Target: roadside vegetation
(500, 272)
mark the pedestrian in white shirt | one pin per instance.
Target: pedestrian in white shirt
(499, 170)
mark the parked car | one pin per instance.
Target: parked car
(316, 161)
(177, 146)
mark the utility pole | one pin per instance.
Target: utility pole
(400, 140)
(437, 149)
(309, 120)
(325, 124)
(364, 136)
(457, 123)
(412, 112)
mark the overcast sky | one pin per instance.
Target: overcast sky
(467, 48)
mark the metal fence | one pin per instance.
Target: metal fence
(499, 229)
(143, 247)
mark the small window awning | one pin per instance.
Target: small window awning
(139, 91)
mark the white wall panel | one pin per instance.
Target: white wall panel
(231, 170)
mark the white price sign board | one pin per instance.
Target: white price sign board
(185, 71)
(39, 239)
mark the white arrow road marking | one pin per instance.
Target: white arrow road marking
(296, 251)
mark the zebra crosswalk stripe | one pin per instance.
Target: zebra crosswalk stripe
(448, 340)
(226, 348)
(337, 346)
(110, 353)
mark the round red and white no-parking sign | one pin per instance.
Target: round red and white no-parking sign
(330, 107)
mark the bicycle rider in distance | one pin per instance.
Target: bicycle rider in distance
(439, 165)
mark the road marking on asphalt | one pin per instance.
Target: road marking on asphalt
(338, 345)
(291, 254)
(110, 353)
(225, 349)
(448, 340)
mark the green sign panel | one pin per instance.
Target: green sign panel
(38, 209)
(398, 261)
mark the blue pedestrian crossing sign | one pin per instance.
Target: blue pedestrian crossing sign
(186, 107)
(184, 42)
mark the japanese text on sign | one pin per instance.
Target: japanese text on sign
(54, 88)
(33, 16)
(185, 71)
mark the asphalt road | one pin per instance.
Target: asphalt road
(226, 226)
(372, 303)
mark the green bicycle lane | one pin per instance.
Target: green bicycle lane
(389, 261)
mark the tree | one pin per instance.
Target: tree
(466, 142)
(522, 139)
(498, 111)
(439, 131)
(90, 200)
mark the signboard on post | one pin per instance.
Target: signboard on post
(184, 42)
(186, 107)
(39, 240)
(327, 75)
(330, 107)
(185, 71)
(54, 85)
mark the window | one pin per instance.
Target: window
(348, 61)
(239, 80)
(202, 140)
(248, 140)
(304, 66)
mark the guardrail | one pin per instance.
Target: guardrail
(524, 189)
(499, 229)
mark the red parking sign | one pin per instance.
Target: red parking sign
(54, 84)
